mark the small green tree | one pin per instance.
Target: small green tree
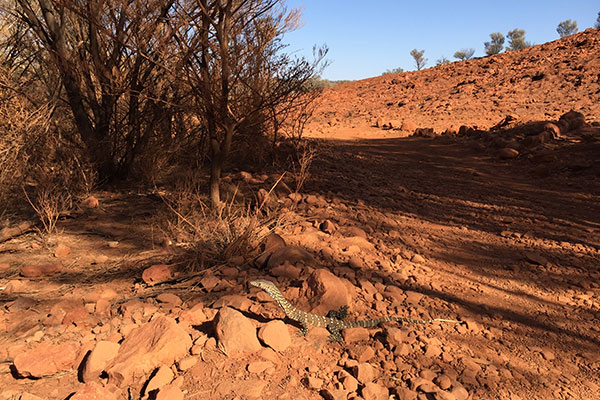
(393, 71)
(567, 28)
(598, 20)
(495, 45)
(420, 61)
(442, 61)
(464, 54)
(516, 40)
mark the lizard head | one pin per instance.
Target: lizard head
(264, 284)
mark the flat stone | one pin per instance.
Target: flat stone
(46, 359)
(158, 342)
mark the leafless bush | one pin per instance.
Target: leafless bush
(301, 166)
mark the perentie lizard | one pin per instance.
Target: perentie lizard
(333, 325)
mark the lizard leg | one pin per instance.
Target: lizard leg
(304, 330)
(335, 334)
(342, 313)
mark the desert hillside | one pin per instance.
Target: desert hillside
(538, 83)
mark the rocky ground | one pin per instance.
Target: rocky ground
(494, 223)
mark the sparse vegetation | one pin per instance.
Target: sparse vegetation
(598, 20)
(319, 83)
(516, 40)
(442, 61)
(464, 54)
(420, 61)
(495, 45)
(393, 71)
(566, 28)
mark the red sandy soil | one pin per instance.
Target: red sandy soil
(509, 245)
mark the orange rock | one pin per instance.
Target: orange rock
(61, 251)
(46, 359)
(158, 342)
(170, 392)
(96, 391)
(157, 274)
(90, 202)
(103, 353)
(235, 332)
(276, 335)
(163, 376)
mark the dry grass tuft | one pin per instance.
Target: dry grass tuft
(213, 236)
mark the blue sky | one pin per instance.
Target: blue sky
(365, 38)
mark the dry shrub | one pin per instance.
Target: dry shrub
(36, 163)
(212, 236)
(305, 154)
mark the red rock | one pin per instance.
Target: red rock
(574, 119)
(356, 241)
(257, 367)
(170, 392)
(507, 153)
(210, 282)
(327, 226)
(552, 128)
(158, 342)
(287, 270)
(362, 354)
(46, 359)
(350, 383)
(163, 376)
(102, 307)
(406, 394)
(61, 251)
(157, 274)
(187, 363)
(290, 254)
(195, 315)
(326, 292)
(29, 396)
(90, 202)
(443, 381)
(273, 242)
(35, 271)
(169, 298)
(364, 373)
(235, 332)
(357, 334)
(97, 391)
(239, 302)
(4, 267)
(77, 316)
(408, 126)
(373, 391)
(96, 361)
(275, 334)
(351, 231)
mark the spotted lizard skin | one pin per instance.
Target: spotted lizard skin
(333, 325)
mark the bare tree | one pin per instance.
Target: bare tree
(231, 52)
(420, 61)
(107, 55)
(442, 61)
